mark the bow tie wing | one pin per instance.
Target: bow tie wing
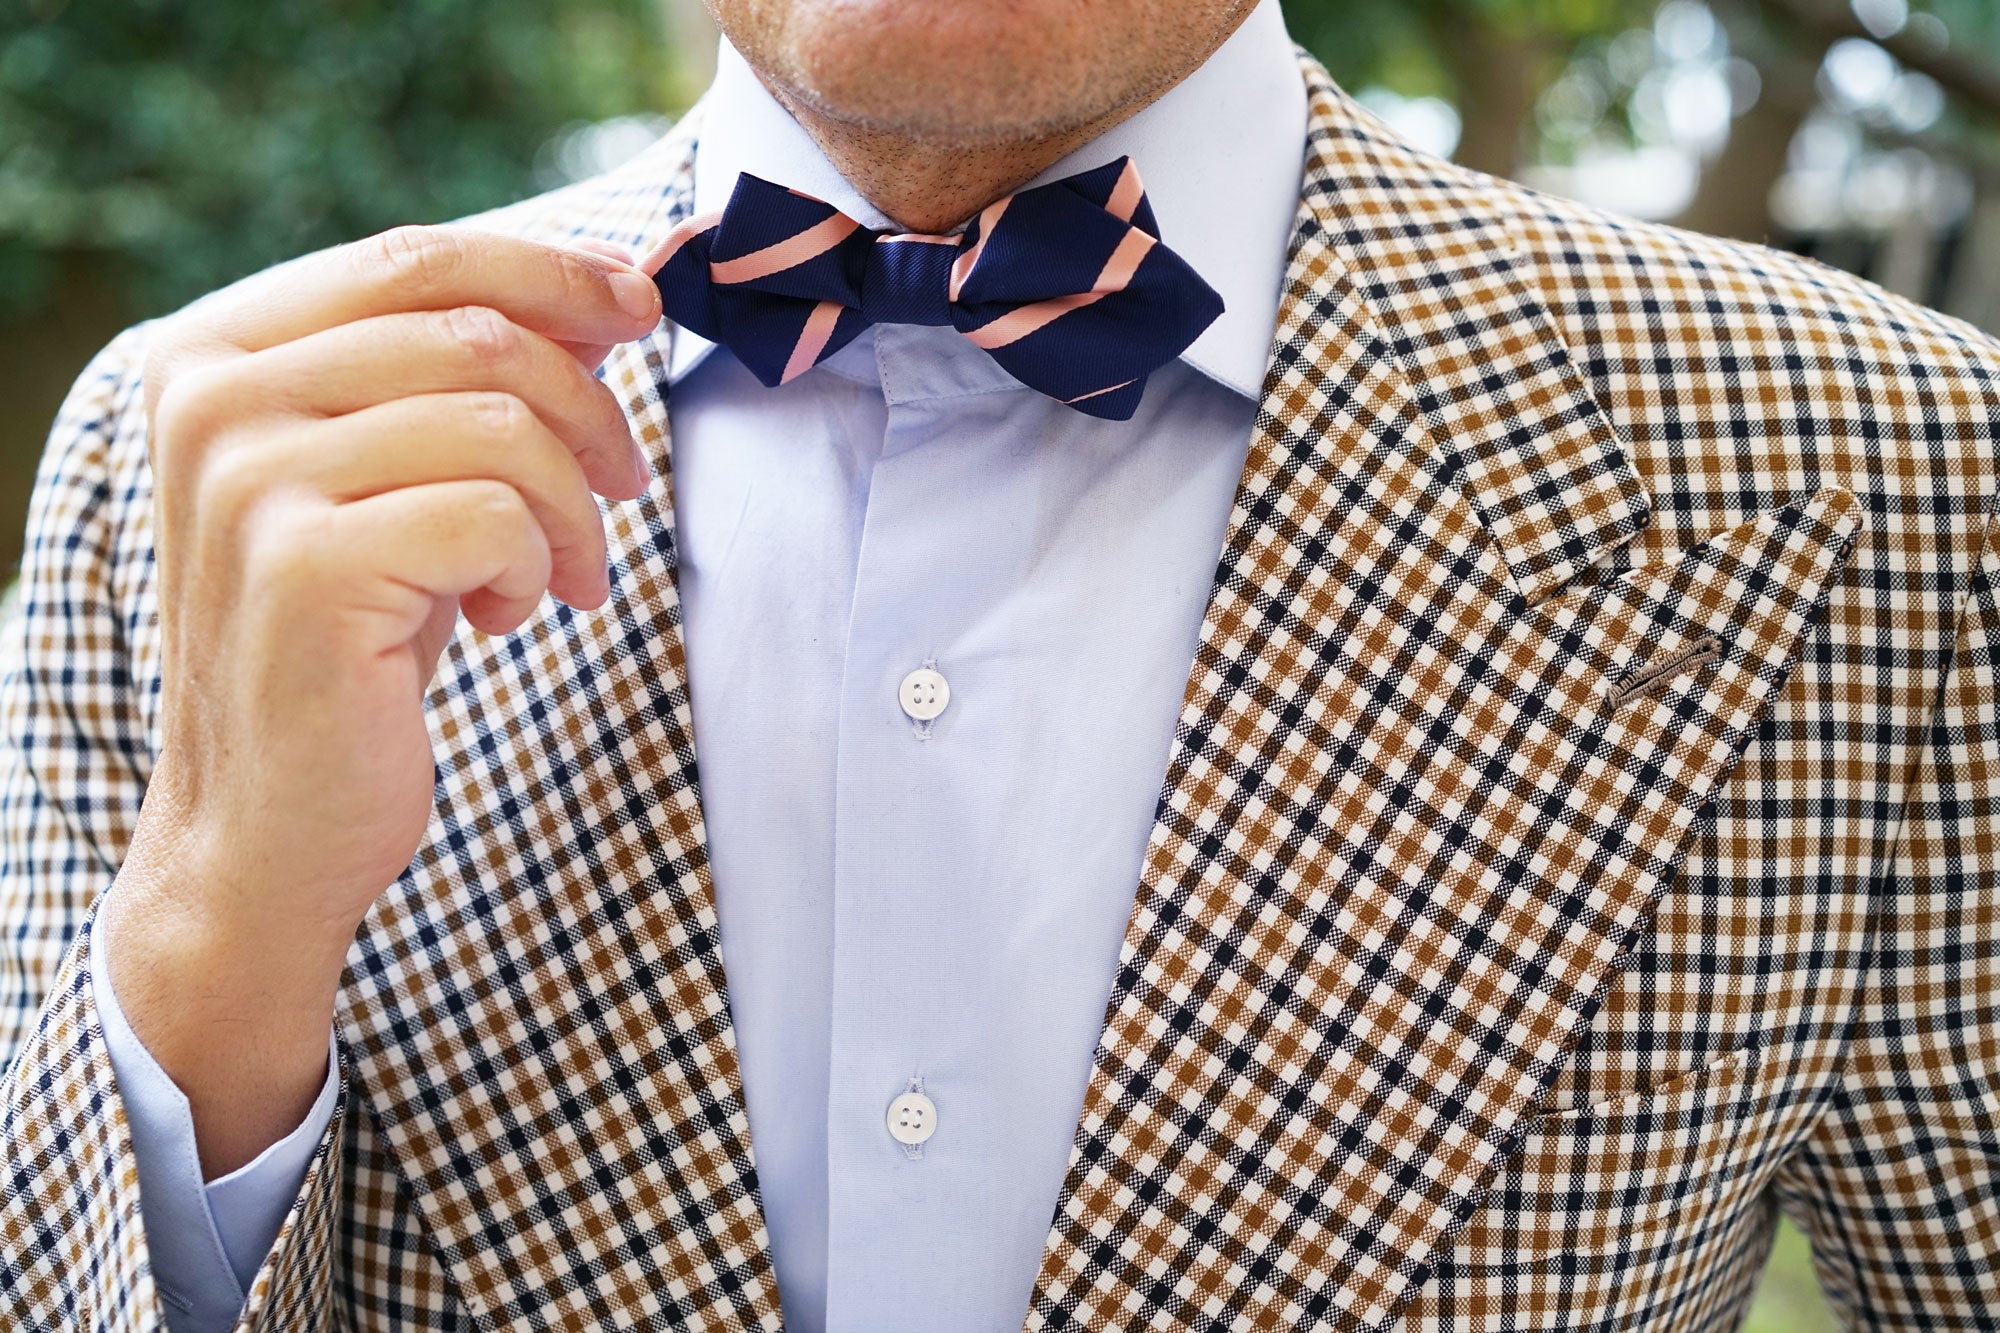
(1075, 297)
(1115, 188)
(1066, 285)
(775, 277)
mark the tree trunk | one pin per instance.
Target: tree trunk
(1973, 292)
(1499, 73)
(1734, 197)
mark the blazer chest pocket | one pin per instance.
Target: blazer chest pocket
(1624, 1178)
(1602, 1217)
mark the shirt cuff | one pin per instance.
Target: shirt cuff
(207, 1240)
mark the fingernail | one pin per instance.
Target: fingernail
(609, 249)
(636, 295)
(642, 466)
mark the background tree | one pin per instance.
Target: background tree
(1491, 59)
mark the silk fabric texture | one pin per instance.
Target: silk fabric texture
(1066, 284)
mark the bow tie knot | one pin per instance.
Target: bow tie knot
(1066, 285)
(907, 279)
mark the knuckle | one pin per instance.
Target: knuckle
(482, 333)
(288, 544)
(191, 406)
(495, 507)
(577, 278)
(157, 367)
(232, 481)
(180, 342)
(583, 282)
(423, 257)
(498, 413)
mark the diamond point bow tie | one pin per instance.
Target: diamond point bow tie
(1066, 285)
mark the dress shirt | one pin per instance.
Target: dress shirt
(908, 905)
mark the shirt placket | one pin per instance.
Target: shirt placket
(898, 1148)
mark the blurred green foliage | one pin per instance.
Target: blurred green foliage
(1974, 25)
(1417, 47)
(192, 141)
(1408, 45)
(1789, 1299)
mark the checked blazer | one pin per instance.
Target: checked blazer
(1578, 842)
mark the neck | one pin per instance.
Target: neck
(928, 185)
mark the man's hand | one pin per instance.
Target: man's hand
(348, 453)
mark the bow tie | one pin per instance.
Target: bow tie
(1066, 285)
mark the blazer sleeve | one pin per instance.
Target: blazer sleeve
(1899, 1185)
(75, 699)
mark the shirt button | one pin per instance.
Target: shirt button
(912, 1118)
(924, 694)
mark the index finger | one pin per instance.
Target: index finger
(571, 295)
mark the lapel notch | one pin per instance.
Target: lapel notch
(1498, 391)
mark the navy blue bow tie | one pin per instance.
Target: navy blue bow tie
(1066, 285)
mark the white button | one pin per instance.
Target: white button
(912, 1118)
(924, 694)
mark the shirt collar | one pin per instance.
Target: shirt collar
(1221, 155)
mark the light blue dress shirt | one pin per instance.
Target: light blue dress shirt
(932, 906)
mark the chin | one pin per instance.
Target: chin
(972, 70)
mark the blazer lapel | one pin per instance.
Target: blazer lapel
(1416, 808)
(1500, 398)
(536, 1012)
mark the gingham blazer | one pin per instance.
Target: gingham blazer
(1577, 845)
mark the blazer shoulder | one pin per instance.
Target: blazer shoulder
(1736, 370)
(95, 460)
(1695, 285)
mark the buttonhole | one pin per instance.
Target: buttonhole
(1653, 677)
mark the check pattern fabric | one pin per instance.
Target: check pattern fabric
(1504, 955)
(1066, 285)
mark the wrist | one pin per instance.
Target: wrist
(203, 896)
(235, 1011)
